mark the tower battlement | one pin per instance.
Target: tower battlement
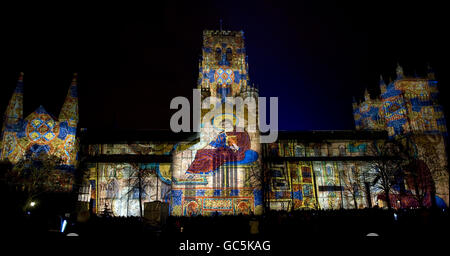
(207, 33)
(406, 105)
(223, 66)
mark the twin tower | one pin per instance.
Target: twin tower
(40, 132)
(221, 170)
(408, 105)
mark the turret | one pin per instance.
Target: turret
(366, 95)
(249, 91)
(14, 111)
(382, 85)
(430, 72)
(69, 110)
(354, 103)
(399, 71)
(12, 120)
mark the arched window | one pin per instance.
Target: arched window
(299, 151)
(112, 189)
(229, 55)
(317, 150)
(341, 150)
(218, 54)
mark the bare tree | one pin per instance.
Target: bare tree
(351, 184)
(385, 167)
(37, 174)
(419, 181)
(141, 180)
(260, 178)
(424, 159)
(138, 180)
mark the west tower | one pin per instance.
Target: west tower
(409, 110)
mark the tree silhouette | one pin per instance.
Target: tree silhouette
(34, 175)
(385, 167)
(352, 187)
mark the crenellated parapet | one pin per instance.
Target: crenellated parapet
(407, 105)
(223, 66)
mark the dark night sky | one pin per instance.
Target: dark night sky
(132, 60)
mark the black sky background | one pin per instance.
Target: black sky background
(132, 60)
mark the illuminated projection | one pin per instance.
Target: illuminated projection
(395, 111)
(40, 132)
(431, 150)
(292, 185)
(225, 170)
(368, 114)
(121, 186)
(316, 184)
(405, 105)
(223, 69)
(330, 191)
(218, 174)
(410, 112)
(118, 188)
(340, 185)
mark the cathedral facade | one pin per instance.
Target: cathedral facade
(223, 168)
(41, 132)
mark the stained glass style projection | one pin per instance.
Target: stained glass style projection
(40, 132)
(218, 174)
(292, 185)
(122, 186)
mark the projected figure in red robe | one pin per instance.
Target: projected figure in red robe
(230, 148)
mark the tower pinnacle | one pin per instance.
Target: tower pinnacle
(14, 111)
(366, 95)
(382, 85)
(430, 72)
(354, 103)
(69, 110)
(399, 71)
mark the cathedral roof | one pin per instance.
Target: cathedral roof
(121, 136)
(331, 135)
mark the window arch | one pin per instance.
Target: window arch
(229, 54)
(218, 53)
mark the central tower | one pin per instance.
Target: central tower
(223, 69)
(219, 173)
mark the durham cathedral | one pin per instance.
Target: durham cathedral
(228, 171)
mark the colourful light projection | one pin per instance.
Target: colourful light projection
(217, 174)
(117, 187)
(40, 132)
(406, 105)
(230, 148)
(367, 114)
(122, 185)
(394, 110)
(431, 150)
(330, 191)
(223, 68)
(429, 166)
(410, 108)
(316, 184)
(292, 184)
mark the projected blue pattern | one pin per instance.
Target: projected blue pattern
(408, 105)
(40, 132)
